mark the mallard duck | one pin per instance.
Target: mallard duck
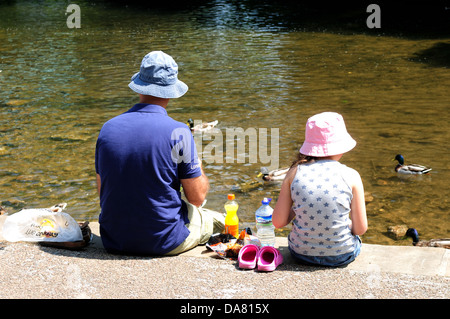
(410, 168)
(202, 126)
(274, 175)
(412, 232)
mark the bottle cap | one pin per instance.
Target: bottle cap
(266, 200)
(230, 196)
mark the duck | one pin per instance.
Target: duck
(410, 168)
(202, 127)
(413, 233)
(274, 175)
(58, 208)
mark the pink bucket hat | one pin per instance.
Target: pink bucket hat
(326, 135)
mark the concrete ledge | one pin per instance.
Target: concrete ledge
(34, 271)
(427, 261)
(396, 259)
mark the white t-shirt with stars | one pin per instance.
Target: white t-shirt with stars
(322, 198)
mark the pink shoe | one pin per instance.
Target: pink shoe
(269, 258)
(248, 256)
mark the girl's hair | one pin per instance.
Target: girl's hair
(301, 159)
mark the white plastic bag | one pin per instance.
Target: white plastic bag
(41, 225)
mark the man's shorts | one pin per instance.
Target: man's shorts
(203, 223)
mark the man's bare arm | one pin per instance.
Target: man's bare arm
(195, 189)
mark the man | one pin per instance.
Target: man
(142, 158)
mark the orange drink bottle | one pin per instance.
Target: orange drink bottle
(231, 219)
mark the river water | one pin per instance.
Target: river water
(248, 67)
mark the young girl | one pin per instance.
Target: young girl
(324, 198)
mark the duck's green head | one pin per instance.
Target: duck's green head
(412, 232)
(190, 123)
(400, 159)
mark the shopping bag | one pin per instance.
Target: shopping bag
(41, 225)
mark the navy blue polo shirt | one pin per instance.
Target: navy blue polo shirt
(141, 155)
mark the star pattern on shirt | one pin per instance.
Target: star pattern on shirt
(321, 219)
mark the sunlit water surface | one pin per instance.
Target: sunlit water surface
(246, 70)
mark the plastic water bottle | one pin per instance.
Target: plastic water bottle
(264, 226)
(231, 219)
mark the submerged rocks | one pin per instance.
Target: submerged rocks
(368, 197)
(397, 231)
(17, 102)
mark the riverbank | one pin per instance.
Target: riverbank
(30, 271)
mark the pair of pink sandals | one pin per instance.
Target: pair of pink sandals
(267, 258)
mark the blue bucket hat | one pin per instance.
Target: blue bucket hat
(158, 76)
